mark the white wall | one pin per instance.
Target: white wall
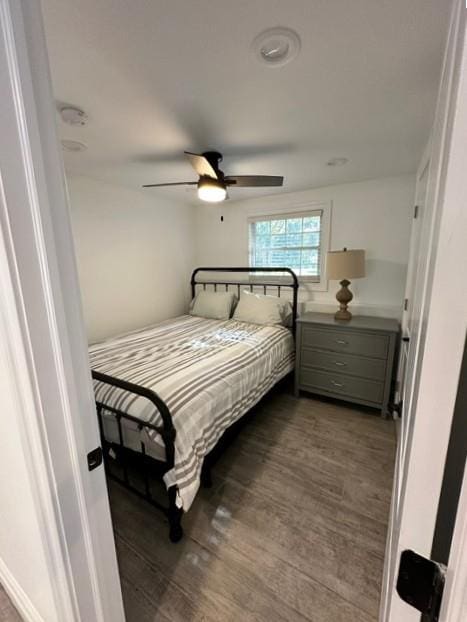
(135, 253)
(374, 215)
(136, 250)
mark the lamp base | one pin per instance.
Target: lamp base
(344, 296)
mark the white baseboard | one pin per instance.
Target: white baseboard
(18, 596)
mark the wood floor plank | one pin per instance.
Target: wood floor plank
(301, 571)
(219, 591)
(313, 538)
(165, 596)
(293, 529)
(8, 612)
(138, 606)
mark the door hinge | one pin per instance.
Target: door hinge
(415, 211)
(94, 458)
(406, 304)
(420, 583)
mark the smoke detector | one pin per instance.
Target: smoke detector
(276, 47)
(73, 145)
(73, 116)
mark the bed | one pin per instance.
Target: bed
(167, 393)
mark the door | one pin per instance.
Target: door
(417, 265)
(47, 350)
(435, 322)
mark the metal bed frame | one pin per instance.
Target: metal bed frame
(167, 430)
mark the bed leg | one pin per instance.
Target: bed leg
(175, 516)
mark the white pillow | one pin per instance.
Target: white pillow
(262, 309)
(212, 305)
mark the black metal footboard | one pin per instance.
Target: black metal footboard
(166, 431)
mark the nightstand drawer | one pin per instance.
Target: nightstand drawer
(374, 369)
(365, 344)
(341, 384)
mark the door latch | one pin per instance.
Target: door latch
(94, 458)
(420, 583)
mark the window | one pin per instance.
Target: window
(288, 240)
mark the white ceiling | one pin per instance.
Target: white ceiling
(158, 77)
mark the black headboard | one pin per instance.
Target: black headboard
(265, 283)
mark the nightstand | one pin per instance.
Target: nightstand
(352, 361)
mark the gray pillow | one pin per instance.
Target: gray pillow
(262, 309)
(213, 305)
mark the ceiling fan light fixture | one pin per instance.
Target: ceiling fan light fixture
(211, 190)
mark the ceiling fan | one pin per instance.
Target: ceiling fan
(212, 183)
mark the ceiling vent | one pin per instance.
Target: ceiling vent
(73, 145)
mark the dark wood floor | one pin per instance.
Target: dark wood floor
(7, 612)
(293, 529)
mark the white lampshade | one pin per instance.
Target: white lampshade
(345, 264)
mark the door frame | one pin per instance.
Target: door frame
(43, 328)
(454, 605)
(48, 343)
(443, 325)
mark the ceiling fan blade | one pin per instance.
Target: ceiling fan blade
(177, 183)
(252, 181)
(201, 165)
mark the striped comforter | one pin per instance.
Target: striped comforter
(208, 372)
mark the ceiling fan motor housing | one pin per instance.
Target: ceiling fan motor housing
(214, 158)
(205, 180)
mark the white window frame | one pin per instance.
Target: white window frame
(301, 210)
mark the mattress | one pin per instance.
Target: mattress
(208, 372)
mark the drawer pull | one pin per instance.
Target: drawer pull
(337, 384)
(340, 364)
(342, 342)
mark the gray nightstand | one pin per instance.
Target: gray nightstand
(353, 361)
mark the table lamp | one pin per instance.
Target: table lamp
(341, 266)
